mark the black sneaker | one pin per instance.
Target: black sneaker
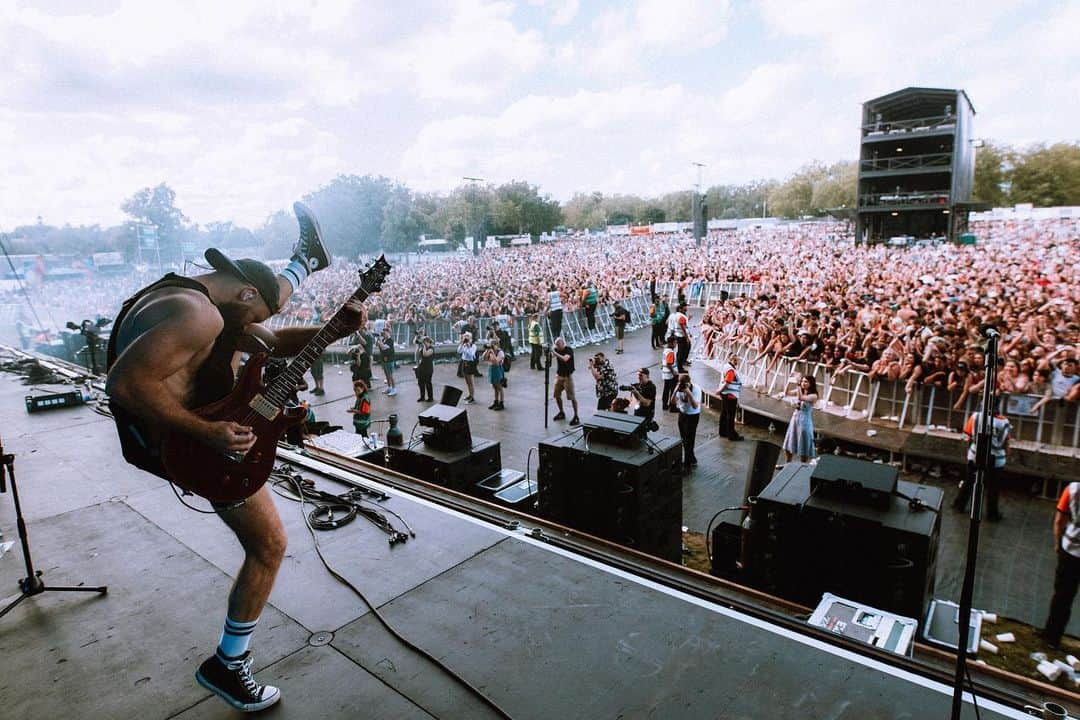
(318, 391)
(559, 416)
(309, 248)
(574, 420)
(234, 684)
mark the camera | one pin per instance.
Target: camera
(629, 388)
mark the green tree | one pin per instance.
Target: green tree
(350, 212)
(836, 189)
(278, 234)
(1047, 176)
(157, 206)
(993, 170)
(585, 211)
(403, 221)
(652, 214)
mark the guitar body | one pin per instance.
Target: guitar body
(210, 473)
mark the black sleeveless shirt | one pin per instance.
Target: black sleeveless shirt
(213, 380)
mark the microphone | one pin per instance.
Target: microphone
(988, 331)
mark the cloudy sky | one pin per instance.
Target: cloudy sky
(242, 106)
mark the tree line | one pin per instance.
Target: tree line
(363, 214)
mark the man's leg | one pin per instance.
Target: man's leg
(262, 535)
(571, 395)
(964, 491)
(685, 435)
(691, 436)
(558, 398)
(1066, 581)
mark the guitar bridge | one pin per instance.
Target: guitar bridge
(264, 407)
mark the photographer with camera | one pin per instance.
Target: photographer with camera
(687, 400)
(644, 393)
(467, 364)
(384, 347)
(425, 368)
(607, 382)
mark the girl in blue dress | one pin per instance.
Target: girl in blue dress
(800, 433)
(495, 356)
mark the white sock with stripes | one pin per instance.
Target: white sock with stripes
(234, 639)
(295, 272)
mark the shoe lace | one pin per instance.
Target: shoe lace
(253, 688)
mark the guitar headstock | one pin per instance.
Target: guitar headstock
(372, 279)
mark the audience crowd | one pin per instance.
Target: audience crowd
(914, 314)
(909, 314)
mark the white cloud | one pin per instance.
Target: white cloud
(638, 138)
(243, 106)
(469, 55)
(622, 39)
(561, 12)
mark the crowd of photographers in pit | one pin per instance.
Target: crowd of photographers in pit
(908, 314)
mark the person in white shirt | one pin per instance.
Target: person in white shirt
(678, 326)
(687, 400)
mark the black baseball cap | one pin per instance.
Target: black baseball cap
(257, 274)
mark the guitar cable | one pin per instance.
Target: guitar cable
(294, 479)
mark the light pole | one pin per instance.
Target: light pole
(473, 182)
(697, 209)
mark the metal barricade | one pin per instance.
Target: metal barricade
(853, 395)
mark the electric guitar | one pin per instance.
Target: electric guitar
(222, 476)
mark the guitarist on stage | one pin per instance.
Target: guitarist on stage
(172, 350)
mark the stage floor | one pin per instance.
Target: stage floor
(541, 631)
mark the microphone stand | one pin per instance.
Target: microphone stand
(547, 371)
(982, 462)
(32, 584)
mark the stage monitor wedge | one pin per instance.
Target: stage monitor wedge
(448, 428)
(615, 428)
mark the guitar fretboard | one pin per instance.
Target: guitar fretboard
(283, 386)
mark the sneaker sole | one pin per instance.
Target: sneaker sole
(233, 702)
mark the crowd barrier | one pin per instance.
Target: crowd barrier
(701, 294)
(853, 395)
(575, 329)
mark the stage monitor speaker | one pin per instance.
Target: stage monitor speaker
(450, 396)
(448, 427)
(726, 548)
(804, 544)
(458, 470)
(856, 481)
(761, 469)
(615, 428)
(629, 495)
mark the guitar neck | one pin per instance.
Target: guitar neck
(284, 385)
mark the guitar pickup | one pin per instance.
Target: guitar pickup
(264, 407)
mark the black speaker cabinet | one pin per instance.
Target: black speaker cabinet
(804, 545)
(458, 470)
(629, 495)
